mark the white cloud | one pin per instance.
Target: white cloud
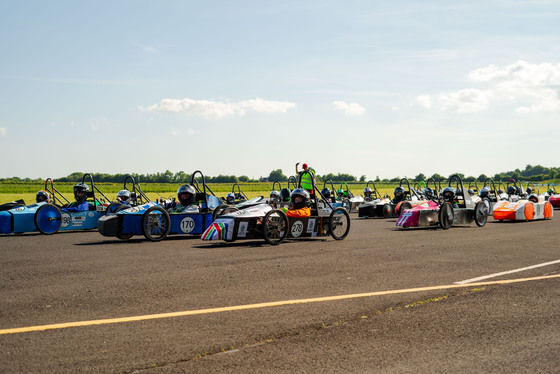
(350, 109)
(93, 127)
(3, 131)
(425, 101)
(217, 110)
(191, 132)
(528, 87)
(465, 101)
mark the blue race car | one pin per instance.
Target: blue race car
(154, 222)
(49, 218)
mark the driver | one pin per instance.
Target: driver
(300, 201)
(185, 196)
(448, 195)
(124, 196)
(399, 193)
(274, 196)
(429, 193)
(367, 192)
(80, 194)
(42, 197)
(230, 198)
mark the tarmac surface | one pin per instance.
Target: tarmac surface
(382, 300)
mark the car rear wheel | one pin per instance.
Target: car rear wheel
(480, 213)
(275, 227)
(445, 215)
(155, 223)
(339, 223)
(48, 219)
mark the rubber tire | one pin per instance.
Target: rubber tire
(387, 211)
(339, 211)
(346, 204)
(58, 217)
(222, 209)
(405, 205)
(480, 214)
(165, 219)
(267, 218)
(445, 216)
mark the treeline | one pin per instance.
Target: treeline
(536, 173)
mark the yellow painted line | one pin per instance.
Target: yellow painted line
(19, 330)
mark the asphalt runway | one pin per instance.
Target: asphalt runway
(382, 300)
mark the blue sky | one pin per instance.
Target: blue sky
(367, 88)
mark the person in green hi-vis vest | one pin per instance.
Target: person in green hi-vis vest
(305, 177)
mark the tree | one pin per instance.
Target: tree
(243, 179)
(363, 178)
(420, 177)
(277, 176)
(481, 178)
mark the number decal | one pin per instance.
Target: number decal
(187, 225)
(65, 220)
(297, 229)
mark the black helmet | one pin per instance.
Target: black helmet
(285, 194)
(124, 196)
(42, 196)
(80, 192)
(300, 193)
(185, 194)
(428, 192)
(368, 191)
(533, 197)
(399, 192)
(529, 190)
(485, 191)
(326, 193)
(511, 190)
(448, 194)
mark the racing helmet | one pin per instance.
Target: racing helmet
(511, 190)
(340, 192)
(185, 194)
(230, 198)
(485, 191)
(124, 196)
(533, 197)
(300, 198)
(326, 193)
(470, 191)
(275, 195)
(42, 196)
(368, 191)
(428, 192)
(448, 193)
(285, 194)
(399, 192)
(529, 190)
(550, 191)
(80, 192)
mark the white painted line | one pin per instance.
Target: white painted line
(507, 272)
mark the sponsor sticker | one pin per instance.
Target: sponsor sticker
(310, 225)
(242, 231)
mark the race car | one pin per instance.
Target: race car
(535, 207)
(455, 208)
(49, 218)
(386, 208)
(154, 222)
(489, 194)
(274, 226)
(553, 196)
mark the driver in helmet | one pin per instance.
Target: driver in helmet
(124, 197)
(367, 192)
(340, 193)
(399, 193)
(42, 197)
(274, 196)
(230, 198)
(448, 195)
(80, 195)
(185, 196)
(299, 206)
(429, 193)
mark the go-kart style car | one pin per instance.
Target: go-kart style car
(274, 226)
(234, 197)
(490, 195)
(137, 196)
(49, 218)
(553, 196)
(386, 208)
(154, 222)
(523, 210)
(445, 214)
